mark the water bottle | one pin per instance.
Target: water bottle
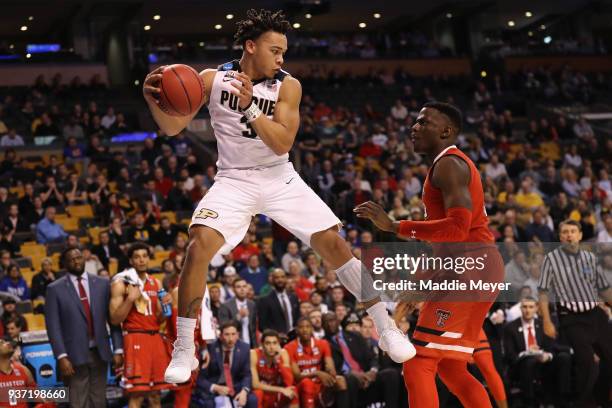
(167, 309)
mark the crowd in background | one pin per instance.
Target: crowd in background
(537, 171)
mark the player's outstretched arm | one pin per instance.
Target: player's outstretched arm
(171, 125)
(279, 132)
(452, 177)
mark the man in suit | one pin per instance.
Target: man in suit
(241, 310)
(532, 355)
(354, 358)
(14, 221)
(278, 310)
(76, 315)
(107, 250)
(228, 374)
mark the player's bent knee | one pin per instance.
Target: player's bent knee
(204, 240)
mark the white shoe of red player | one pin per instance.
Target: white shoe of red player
(182, 364)
(396, 344)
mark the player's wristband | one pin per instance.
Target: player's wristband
(252, 112)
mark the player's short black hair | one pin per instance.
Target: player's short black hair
(270, 333)
(451, 111)
(230, 323)
(136, 246)
(259, 22)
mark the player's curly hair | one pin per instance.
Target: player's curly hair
(259, 22)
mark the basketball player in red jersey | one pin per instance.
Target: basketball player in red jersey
(313, 368)
(447, 332)
(13, 375)
(483, 358)
(146, 355)
(271, 374)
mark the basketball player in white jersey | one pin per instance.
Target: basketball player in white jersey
(254, 109)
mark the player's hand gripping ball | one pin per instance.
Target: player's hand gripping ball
(177, 89)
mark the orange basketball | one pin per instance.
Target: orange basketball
(182, 90)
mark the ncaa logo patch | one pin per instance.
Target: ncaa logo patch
(443, 316)
(206, 213)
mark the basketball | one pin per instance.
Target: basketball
(182, 90)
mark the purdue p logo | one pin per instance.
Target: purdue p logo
(443, 316)
(206, 213)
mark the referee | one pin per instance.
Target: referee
(578, 281)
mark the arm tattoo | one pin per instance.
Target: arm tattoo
(194, 306)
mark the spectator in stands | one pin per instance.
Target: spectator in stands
(92, 263)
(48, 231)
(583, 130)
(7, 239)
(527, 197)
(42, 279)
(11, 139)
(26, 204)
(532, 355)
(570, 183)
(316, 298)
(14, 283)
(73, 152)
(166, 235)
(278, 310)
(75, 191)
(399, 112)
(292, 254)
(316, 320)
(9, 306)
(73, 129)
(517, 271)
(228, 374)
(46, 126)
(267, 259)
(135, 306)
(605, 235)
(151, 194)
(5, 262)
(76, 317)
(98, 191)
(178, 198)
(117, 236)
(241, 310)
(215, 299)
(139, 231)
(50, 193)
(109, 119)
(254, 274)
(355, 359)
(121, 125)
(538, 229)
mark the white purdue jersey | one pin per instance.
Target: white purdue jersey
(238, 145)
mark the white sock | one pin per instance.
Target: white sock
(378, 313)
(185, 328)
(357, 280)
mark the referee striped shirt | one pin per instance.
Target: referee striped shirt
(575, 278)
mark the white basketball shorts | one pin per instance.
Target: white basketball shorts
(277, 192)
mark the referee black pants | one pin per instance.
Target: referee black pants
(588, 333)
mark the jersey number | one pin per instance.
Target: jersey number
(250, 132)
